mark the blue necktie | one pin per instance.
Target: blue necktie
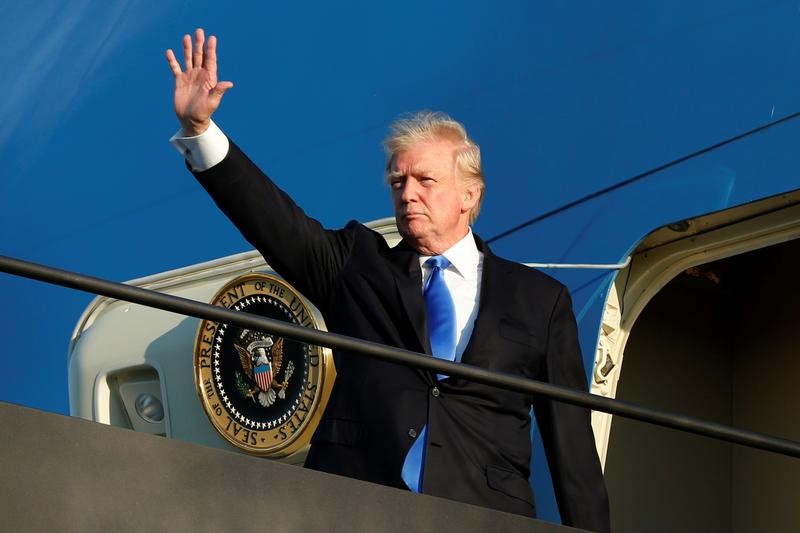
(441, 317)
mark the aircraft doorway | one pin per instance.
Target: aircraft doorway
(719, 341)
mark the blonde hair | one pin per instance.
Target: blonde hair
(427, 126)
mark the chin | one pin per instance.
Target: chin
(412, 236)
(411, 229)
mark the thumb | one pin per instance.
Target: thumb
(219, 89)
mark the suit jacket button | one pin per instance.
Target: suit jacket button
(435, 392)
(412, 433)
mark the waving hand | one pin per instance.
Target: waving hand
(197, 91)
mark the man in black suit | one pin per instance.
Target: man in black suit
(389, 424)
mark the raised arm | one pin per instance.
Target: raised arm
(197, 91)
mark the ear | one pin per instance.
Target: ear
(469, 197)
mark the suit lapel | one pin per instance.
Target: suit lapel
(491, 300)
(404, 262)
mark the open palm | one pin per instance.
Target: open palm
(197, 91)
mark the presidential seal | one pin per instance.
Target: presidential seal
(263, 393)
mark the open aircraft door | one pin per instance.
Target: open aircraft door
(704, 322)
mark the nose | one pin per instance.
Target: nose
(408, 192)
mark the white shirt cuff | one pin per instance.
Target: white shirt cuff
(202, 151)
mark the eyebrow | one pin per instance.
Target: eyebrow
(414, 171)
(393, 174)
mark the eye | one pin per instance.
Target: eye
(397, 182)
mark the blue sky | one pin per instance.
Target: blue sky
(564, 98)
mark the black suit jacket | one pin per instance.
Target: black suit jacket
(478, 436)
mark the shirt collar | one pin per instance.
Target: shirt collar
(464, 256)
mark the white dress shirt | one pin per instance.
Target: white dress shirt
(202, 151)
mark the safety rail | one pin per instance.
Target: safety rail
(201, 310)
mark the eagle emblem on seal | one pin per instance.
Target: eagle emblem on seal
(261, 361)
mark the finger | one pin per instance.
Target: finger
(197, 57)
(173, 63)
(219, 89)
(187, 51)
(210, 59)
(223, 86)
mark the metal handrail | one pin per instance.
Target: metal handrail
(206, 311)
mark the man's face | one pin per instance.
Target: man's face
(431, 205)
